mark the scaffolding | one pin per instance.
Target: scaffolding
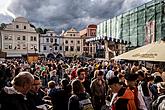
(139, 26)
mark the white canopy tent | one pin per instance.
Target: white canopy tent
(151, 52)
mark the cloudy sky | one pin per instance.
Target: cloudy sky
(63, 14)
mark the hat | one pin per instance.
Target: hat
(113, 80)
(131, 77)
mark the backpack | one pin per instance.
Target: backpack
(86, 104)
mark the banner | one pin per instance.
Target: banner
(149, 32)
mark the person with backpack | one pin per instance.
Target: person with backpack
(80, 100)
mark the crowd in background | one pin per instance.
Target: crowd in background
(85, 85)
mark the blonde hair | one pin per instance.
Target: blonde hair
(96, 73)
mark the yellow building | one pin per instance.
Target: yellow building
(72, 43)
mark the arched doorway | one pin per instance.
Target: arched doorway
(50, 56)
(59, 56)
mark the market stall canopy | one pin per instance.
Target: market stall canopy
(151, 52)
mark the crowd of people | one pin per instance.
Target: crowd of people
(80, 85)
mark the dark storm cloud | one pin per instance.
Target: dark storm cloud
(63, 14)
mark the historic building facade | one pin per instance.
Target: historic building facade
(89, 48)
(19, 37)
(50, 43)
(72, 43)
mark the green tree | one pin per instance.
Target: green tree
(3, 25)
(39, 30)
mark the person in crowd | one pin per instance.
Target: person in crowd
(123, 97)
(159, 103)
(80, 100)
(153, 87)
(14, 98)
(110, 73)
(144, 89)
(131, 82)
(95, 75)
(135, 67)
(87, 81)
(35, 94)
(60, 96)
(82, 76)
(98, 91)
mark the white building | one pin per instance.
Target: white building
(72, 43)
(50, 43)
(19, 37)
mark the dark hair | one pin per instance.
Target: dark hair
(113, 80)
(116, 73)
(51, 84)
(36, 77)
(131, 76)
(64, 82)
(80, 70)
(135, 63)
(140, 73)
(158, 79)
(100, 73)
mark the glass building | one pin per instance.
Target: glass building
(139, 26)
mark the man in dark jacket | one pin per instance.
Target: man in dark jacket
(14, 98)
(35, 94)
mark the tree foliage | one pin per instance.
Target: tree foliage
(3, 25)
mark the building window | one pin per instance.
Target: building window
(24, 27)
(44, 47)
(10, 46)
(71, 48)
(35, 39)
(73, 34)
(51, 34)
(55, 40)
(85, 49)
(17, 26)
(47, 39)
(78, 42)
(23, 38)
(18, 38)
(31, 38)
(6, 37)
(71, 41)
(51, 40)
(24, 46)
(18, 46)
(70, 34)
(60, 47)
(6, 46)
(117, 47)
(10, 37)
(66, 48)
(66, 42)
(78, 48)
(55, 48)
(90, 49)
